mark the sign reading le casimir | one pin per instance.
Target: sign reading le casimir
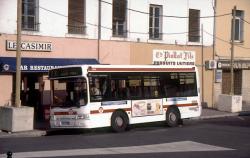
(30, 46)
(174, 57)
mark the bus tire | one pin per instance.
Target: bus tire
(173, 117)
(119, 121)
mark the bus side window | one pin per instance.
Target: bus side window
(123, 93)
(146, 92)
(169, 85)
(95, 92)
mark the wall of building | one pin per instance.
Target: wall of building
(61, 47)
(5, 89)
(217, 92)
(246, 86)
(170, 25)
(223, 29)
(53, 20)
(115, 52)
(8, 16)
(223, 39)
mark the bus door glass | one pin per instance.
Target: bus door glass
(98, 87)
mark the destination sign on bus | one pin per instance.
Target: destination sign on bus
(65, 72)
(174, 57)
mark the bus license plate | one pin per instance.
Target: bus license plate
(65, 123)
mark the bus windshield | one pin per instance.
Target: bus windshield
(69, 92)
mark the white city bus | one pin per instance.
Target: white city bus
(92, 96)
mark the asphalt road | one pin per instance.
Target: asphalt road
(227, 137)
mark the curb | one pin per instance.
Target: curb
(244, 113)
(215, 116)
(34, 133)
(219, 116)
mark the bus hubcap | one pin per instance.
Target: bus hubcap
(119, 121)
(172, 117)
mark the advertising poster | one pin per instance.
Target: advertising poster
(146, 107)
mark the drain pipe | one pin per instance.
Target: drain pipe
(99, 29)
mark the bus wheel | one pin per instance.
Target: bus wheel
(119, 121)
(173, 117)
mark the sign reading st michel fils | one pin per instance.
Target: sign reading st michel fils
(174, 57)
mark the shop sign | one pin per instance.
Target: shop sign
(30, 46)
(37, 67)
(174, 57)
(218, 76)
(237, 64)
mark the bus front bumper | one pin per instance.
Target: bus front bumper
(70, 123)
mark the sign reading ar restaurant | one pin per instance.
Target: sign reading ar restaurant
(30, 46)
(174, 57)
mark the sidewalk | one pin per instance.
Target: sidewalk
(208, 113)
(41, 130)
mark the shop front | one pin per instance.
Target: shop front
(35, 87)
(241, 78)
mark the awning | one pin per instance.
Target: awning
(41, 64)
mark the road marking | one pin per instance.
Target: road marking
(241, 118)
(183, 146)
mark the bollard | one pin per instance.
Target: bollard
(9, 154)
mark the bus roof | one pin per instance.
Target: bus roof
(82, 70)
(136, 68)
(129, 66)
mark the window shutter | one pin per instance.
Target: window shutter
(119, 10)
(76, 14)
(194, 25)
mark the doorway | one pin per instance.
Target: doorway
(31, 92)
(226, 82)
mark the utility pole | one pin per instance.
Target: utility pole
(232, 52)
(214, 47)
(18, 53)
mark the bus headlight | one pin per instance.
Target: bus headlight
(53, 117)
(82, 116)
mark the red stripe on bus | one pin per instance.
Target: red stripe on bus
(65, 113)
(108, 111)
(139, 69)
(181, 105)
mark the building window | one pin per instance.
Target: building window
(119, 18)
(76, 17)
(238, 36)
(155, 22)
(30, 15)
(194, 25)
